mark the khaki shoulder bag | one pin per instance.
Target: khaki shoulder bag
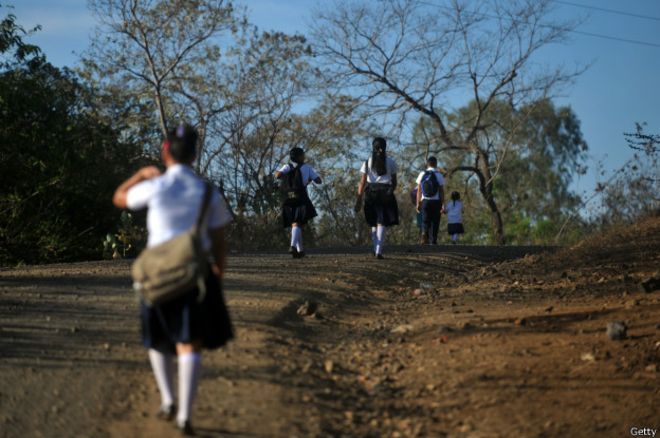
(174, 268)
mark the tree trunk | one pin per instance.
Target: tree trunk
(486, 189)
(161, 110)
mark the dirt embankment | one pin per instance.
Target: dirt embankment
(460, 342)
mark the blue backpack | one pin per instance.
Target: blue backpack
(430, 184)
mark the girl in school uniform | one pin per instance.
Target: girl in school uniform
(454, 211)
(297, 208)
(184, 326)
(377, 185)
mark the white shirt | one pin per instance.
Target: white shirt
(174, 200)
(306, 171)
(441, 182)
(372, 175)
(454, 210)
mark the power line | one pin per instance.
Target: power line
(613, 38)
(578, 32)
(610, 11)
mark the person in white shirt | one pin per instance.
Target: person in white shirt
(183, 326)
(430, 194)
(297, 208)
(377, 185)
(454, 211)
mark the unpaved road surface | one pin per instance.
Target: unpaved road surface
(457, 342)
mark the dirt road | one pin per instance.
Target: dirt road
(460, 342)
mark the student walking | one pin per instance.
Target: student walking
(430, 195)
(377, 185)
(454, 211)
(297, 208)
(179, 201)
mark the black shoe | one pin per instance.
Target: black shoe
(294, 252)
(380, 257)
(185, 428)
(301, 254)
(166, 413)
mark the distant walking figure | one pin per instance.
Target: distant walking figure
(454, 210)
(430, 195)
(377, 185)
(199, 319)
(418, 215)
(297, 208)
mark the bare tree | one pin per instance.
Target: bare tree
(402, 56)
(201, 61)
(150, 43)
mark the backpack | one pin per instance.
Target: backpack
(174, 268)
(429, 185)
(292, 187)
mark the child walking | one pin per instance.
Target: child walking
(377, 185)
(454, 211)
(430, 195)
(297, 208)
(184, 326)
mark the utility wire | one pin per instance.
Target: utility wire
(578, 32)
(610, 11)
(613, 38)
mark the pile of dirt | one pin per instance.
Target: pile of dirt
(627, 256)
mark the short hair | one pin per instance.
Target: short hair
(183, 143)
(296, 154)
(432, 161)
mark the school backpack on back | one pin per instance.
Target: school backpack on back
(292, 187)
(430, 185)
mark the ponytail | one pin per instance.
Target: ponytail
(379, 155)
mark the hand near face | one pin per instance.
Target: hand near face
(149, 172)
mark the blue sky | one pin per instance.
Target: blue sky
(621, 87)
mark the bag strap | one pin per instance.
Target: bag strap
(206, 200)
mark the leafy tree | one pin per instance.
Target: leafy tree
(536, 151)
(58, 165)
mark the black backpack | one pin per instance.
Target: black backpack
(292, 187)
(430, 185)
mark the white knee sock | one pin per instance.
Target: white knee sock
(380, 239)
(189, 364)
(454, 237)
(293, 236)
(297, 241)
(163, 367)
(374, 238)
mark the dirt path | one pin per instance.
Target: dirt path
(456, 343)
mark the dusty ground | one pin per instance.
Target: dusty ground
(459, 342)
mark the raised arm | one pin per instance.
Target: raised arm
(119, 198)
